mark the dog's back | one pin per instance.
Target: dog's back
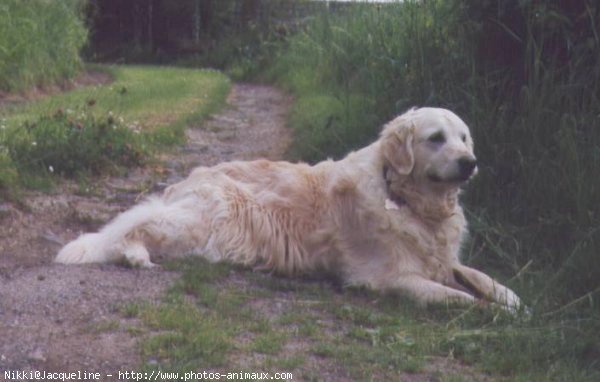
(254, 213)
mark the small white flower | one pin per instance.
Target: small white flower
(69, 111)
(114, 127)
(51, 169)
(2, 127)
(34, 143)
(110, 113)
(121, 119)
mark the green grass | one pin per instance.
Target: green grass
(191, 339)
(100, 128)
(251, 321)
(39, 42)
(145, 97)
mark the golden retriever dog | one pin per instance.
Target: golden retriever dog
(386, 217)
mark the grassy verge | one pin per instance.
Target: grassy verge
(226, 319)
(99, 128)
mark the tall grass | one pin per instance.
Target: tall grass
(533, 110)
(374, 62)
(39, 42)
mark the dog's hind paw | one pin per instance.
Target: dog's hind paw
(84, 249)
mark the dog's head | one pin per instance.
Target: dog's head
(431, 146)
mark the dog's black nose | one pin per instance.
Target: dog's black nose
(466, 167)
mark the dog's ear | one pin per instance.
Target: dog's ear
(397, 144)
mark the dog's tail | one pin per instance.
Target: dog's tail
(122, 238)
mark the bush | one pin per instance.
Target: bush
(39, 42)
(73, 142)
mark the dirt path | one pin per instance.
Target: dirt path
(58, 318)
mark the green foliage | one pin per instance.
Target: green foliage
(39, 42)
(71, 142)
(388, 58)
(327, 125)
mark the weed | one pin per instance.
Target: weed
(103, 326)
(324, 349)
(269, 343)
(70, 144)
(132, 309)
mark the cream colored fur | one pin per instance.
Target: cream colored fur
(386, 217)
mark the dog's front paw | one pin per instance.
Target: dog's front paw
(513, 304)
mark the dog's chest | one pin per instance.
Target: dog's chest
(444, 244)
(434, 245)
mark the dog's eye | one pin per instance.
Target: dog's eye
(438, 137)
(464, 137)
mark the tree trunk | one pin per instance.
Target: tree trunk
(137, 24)
(250, 10)
(197, 21)
(206, 15)
(149, 26)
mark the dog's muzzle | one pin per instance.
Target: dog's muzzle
(466, 167)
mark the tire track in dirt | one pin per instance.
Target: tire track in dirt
(66, 318)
